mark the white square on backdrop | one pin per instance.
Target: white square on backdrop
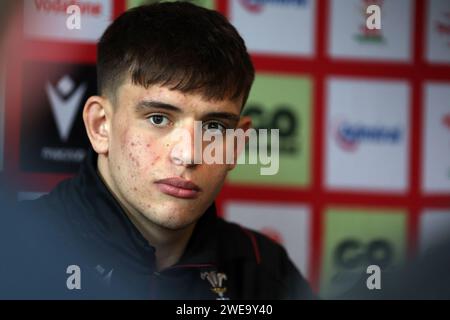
(289, 224)
(47, 20)
(437, 35)
(367, 135)
(436, 140)
(276, 27)
(349, 37)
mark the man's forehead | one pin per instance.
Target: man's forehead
(137, 94)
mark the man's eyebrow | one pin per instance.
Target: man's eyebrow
(223, 115)
(150, 104)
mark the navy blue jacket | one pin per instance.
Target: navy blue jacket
(80, 223)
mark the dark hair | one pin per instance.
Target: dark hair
(178, 45)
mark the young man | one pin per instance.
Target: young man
(139, 220)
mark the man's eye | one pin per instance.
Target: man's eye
(214, 126)
(159, 120)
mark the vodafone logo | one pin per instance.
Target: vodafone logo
(67, 20)
(60, 6)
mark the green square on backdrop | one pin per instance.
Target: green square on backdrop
(280, 102)
(356, 238)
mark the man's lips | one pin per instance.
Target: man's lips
(178, 187)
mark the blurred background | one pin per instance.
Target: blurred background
(364, 120)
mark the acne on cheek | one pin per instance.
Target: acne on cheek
(133, 145)
(135, 152)
(133, 160)
(152, 154)
(155, 159)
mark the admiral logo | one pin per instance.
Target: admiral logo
(65, 110)
(60, 7)
(349, 136)
(53, 137)
(256, 6)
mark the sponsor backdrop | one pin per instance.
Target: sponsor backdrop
(363, 118)
(356, 238)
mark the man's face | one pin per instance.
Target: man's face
(149, 161)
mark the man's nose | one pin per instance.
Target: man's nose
(183, 152)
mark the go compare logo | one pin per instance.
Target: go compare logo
(209, 146)
(281, 102)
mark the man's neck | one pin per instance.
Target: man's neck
(169, 244)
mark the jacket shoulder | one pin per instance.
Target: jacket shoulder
(268, 258)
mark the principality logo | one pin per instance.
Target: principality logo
(216, 281)
(256, 6)
(349, 136)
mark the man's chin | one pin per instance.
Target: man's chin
(171, 222)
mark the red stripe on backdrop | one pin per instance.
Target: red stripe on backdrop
(13, 100)
(441, 201)
(222, 7)
(317, 151)
(119, 7)
(415, 165)
(298, 65)
(417, 111)
(57, 52)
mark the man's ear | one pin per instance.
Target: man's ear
(245, 123)
(97, 120)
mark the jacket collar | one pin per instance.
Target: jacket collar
(115, 226)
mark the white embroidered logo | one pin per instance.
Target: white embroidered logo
(216, 281)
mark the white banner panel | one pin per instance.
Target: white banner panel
(276, 27)
(367, 135)
(289, 225)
